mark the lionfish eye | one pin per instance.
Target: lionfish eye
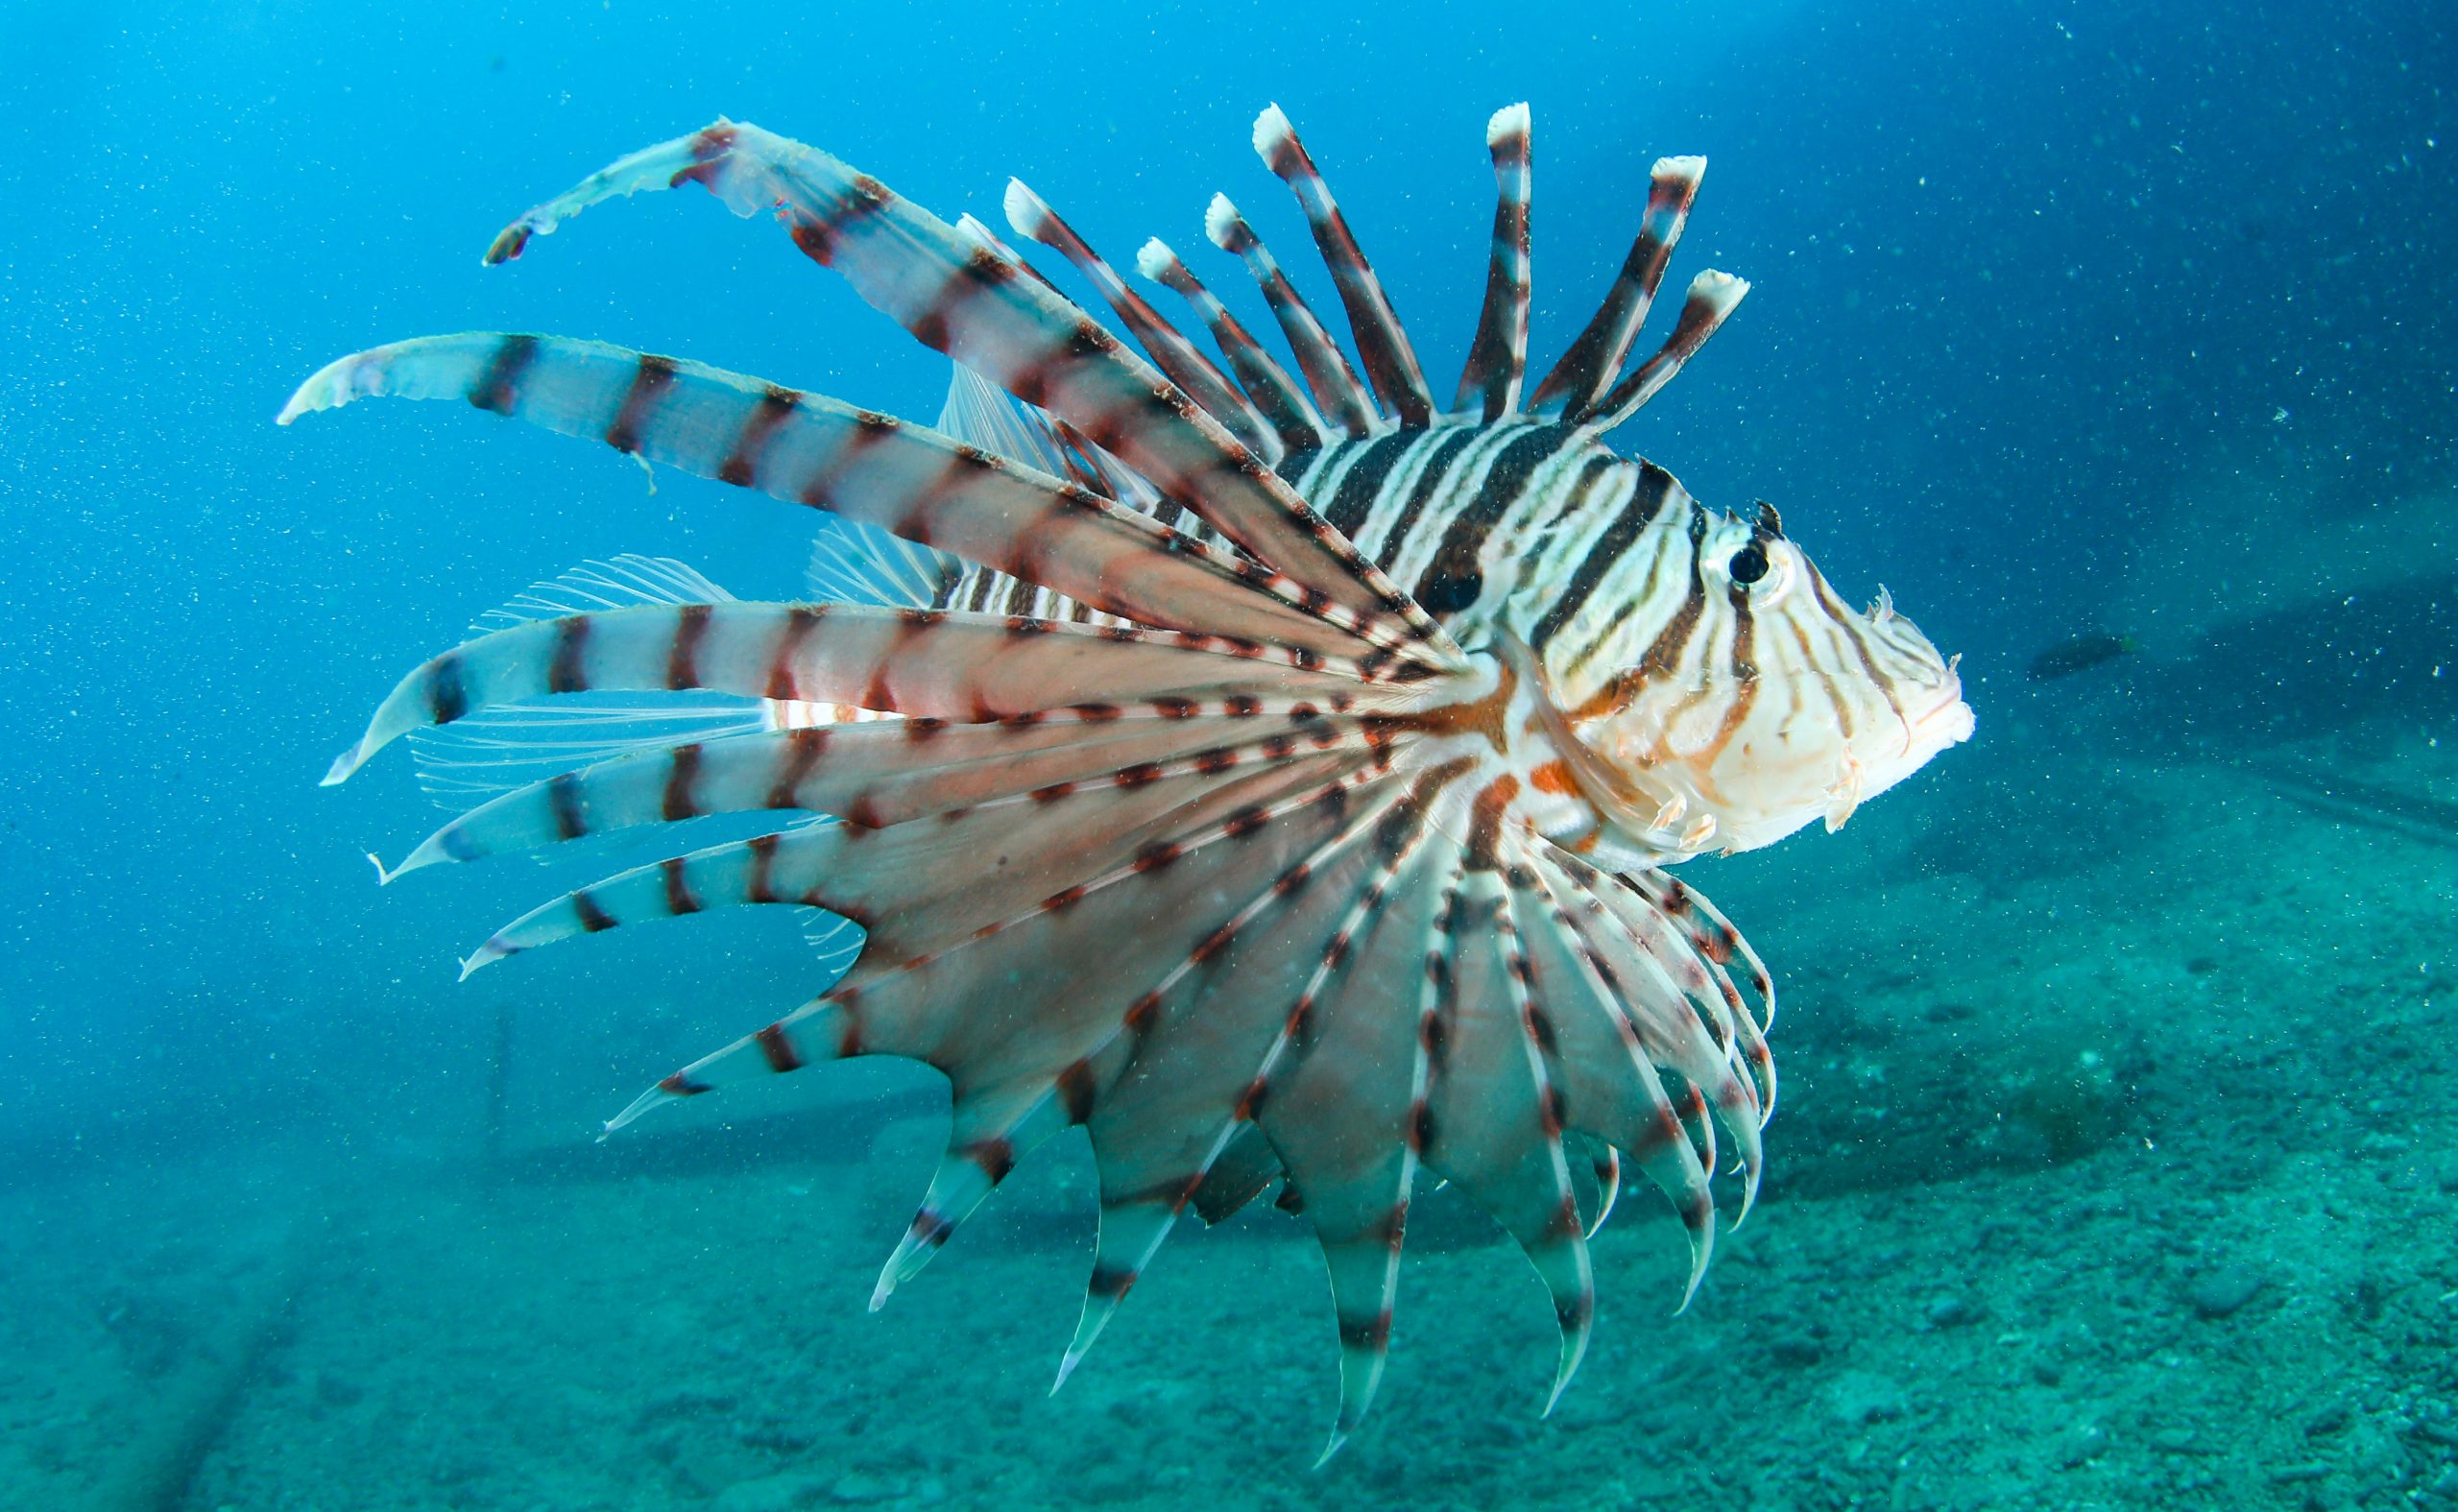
(1748, 564)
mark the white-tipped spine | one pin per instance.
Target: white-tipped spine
(1509, 122)
(1719, 291)
(1155, 261)
(1026, 211)
(1272, 134)
(1692, 169)
(655, 1096)
(1221, 224)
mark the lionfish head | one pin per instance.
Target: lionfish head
(1765, 702)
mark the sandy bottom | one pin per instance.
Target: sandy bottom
(2117, 1165)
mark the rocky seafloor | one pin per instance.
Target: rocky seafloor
(2116, 1166)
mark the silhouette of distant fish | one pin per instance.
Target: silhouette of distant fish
(2078, 655)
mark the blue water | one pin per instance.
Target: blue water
(2064, 315)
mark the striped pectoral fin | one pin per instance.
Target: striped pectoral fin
(813, 1034)
(993, 1130)
(1130, 1234)
(1391, 362)
(1684, 1023)
(1580, 961)
(1710, 931)
(881, 773)
(501, 750)
(1170, 350)
(920, 887)
(732, 648)
(781, 867)
(1345, 1119)
(1496, 1129)
(1498, 360)
(960, 297)
(1267, 384)
(928, 665)
(1212, 1040)
(1336, 394)
(1600, 349)
(1556, 1240)
(905, 479)
(1692, 1018)
(979, 972)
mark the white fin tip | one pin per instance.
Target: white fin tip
(638, 1106)
(1721, 290)
(1026, 211)
(1271, 131)
(486, 955)
(1220, 222)
(330, 387)
(1511, 121)
(1155, 261)
(1067, 1367)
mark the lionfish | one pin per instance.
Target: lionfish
(1274, 774)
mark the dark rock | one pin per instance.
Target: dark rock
(2223, 1291)
(1859, 1397)
(1797, 1350)
(2080, 1445)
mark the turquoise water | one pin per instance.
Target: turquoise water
(2118, 1146)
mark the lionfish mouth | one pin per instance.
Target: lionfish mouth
(1133, 769)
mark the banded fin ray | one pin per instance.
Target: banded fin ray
(1345, 1119)
(1200, 1074)
(1493, 1123)
(1597, 353)
(1630, 1112)
(1170, 350)
(879, 775)
(1709, 302)
(1382, 344)
(811, 449)
(908, 884)
(958, 296)
(929, 664)
(1267, 384)
(1497, 363)
(497, 750)
(1336, 394)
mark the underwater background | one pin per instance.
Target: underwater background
(2117, 1162)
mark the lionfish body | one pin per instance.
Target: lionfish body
(1270, 772)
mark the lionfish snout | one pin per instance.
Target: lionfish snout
(1779, 704)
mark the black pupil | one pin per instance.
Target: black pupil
(1748, 564)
